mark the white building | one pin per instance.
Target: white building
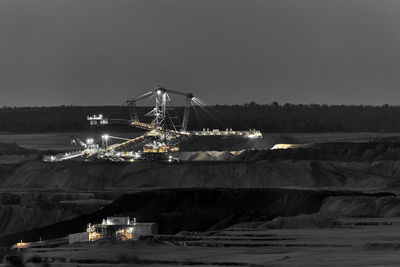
(117, 228)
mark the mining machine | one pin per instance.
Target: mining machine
(161, 139)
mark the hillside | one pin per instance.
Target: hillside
(201, 209)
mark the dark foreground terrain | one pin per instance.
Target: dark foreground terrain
(177, 210)
(331, 203)
(358, 242)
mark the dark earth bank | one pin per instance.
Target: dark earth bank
(197, 209)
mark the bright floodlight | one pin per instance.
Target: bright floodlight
(158, 92)
(105, 136)
(88, 141)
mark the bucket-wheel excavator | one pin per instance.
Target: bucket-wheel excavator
(162, 137)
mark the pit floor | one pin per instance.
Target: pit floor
(365, 242)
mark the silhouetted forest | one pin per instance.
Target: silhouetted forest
(267, 118)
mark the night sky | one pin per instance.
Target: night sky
(97, 52)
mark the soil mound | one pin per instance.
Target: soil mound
(336, 151)
(230, 143)
(218, 173)
(372, 165)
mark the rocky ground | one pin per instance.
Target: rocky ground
(352, 242)
(254, 207)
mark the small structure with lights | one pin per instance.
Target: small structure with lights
(21, 245)
(115, 228)
(96, 120)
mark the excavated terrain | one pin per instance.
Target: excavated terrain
(196, 209)
(268, 196)
(43, 193)
(20, 211)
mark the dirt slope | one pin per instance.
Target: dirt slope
(266, 173)
(334, 165)
(197, 209)
(27, 210)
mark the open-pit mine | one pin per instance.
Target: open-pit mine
(251, 206)
(172, 197)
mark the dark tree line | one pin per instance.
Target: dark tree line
(267, 118)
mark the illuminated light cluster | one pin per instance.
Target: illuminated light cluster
(161, 149)
(21, 245)
(93, 236)
(228, 132)
(95, 117)
(284, 146)
(149, 126)
(89, 141)
(124, 233)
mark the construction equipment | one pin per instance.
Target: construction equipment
(161, 139)
(159, 112)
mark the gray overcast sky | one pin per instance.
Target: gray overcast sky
(95, 52)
